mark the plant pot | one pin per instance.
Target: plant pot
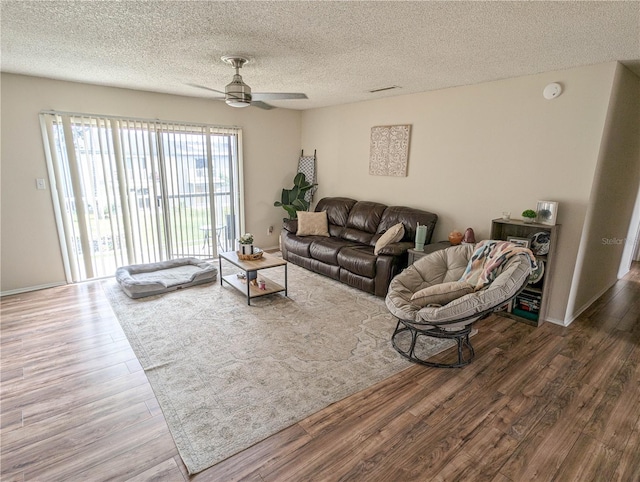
(246, 248)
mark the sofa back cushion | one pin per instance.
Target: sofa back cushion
(363, 221)
(337, 209)
(409, 217)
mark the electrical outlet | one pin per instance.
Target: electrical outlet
(270, 231)
(40, 184)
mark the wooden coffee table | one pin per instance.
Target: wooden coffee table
(252, 291)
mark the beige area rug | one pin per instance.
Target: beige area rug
(228, 375)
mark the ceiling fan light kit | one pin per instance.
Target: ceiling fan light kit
(238, 94)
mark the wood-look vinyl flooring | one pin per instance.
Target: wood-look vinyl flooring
(546, 403)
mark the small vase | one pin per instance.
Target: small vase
(469, 237)
(246, 248)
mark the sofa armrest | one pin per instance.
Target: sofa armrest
(290, 225)
(396, 249)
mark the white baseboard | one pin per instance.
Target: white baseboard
(556, 321)
(593, 299)
(31, 288)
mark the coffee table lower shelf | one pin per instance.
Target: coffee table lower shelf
(253, 292)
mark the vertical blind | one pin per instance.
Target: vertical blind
(131, 191)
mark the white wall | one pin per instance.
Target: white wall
(613, 197)
(30, 250)
(477, 151)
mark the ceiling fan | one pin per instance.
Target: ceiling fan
(238, 94)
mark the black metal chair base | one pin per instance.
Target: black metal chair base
(465, 350)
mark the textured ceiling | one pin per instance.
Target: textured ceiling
(335, 52)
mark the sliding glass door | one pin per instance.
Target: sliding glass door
(131, 191)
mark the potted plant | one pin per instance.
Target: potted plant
(292, 200)
(246, 243)
(529, 215)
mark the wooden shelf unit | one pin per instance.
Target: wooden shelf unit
(533, 295)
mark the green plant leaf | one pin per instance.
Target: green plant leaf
(292, 200)
(286, 196)
(293, 214)
(299, 204)
(300, 179)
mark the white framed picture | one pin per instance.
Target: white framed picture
(547, 212)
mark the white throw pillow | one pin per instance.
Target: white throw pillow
(312, 224)
(442, 293)
(392, 235)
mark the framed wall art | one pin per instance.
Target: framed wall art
(389, 150)
(547, 212)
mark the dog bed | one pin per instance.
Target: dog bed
(138, 280)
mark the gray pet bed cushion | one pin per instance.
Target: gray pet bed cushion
(138, 280)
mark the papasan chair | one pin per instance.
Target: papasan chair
(443, 293)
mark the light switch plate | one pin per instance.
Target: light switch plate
(40, 184)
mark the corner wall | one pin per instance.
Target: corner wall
(31, 256)
(613, 197)
(477, 151)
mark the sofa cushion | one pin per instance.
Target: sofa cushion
(441, 294)
(325, 269)
(357, 236)
(393, 234)
(365, 216)
(326, 249)
(337, 209)
(359, 260)
(300, 245)
(443, 266)
(335, 230)
(312, 224)
(363, 221)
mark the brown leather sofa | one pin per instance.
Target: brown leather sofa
(347, 254)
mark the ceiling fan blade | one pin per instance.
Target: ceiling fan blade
(207, 88)
(261, 105)
(278, 95)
